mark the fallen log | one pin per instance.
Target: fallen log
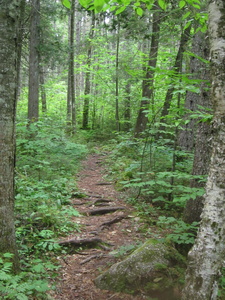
(103, 210)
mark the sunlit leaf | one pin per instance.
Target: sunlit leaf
(162, 4)
(139, 11)
(66, 3)
(182, 3)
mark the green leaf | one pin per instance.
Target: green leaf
(139, 11)
(162, 4)
(186, 15)
(98, 4)
(84, 3)
(121, 9)
(182, 3)
(66, 3)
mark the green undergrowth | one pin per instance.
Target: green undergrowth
(46, 167)
(156, 179)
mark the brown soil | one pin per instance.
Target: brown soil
(82, 265)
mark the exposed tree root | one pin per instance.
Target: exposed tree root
(103, 210)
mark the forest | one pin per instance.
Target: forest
(112, 141)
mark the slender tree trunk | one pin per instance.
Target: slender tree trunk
(8, 80)
(147, 84)
(117, 117)
(43, 93)
(127, 108)
(176, 69)
(87, 88)
(206, 258)
(71, 113)
(33, 94)
(20, 33)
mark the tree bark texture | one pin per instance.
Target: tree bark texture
(207, 255)
(147, 84)
(8, 80)
(198, 134)
(33, 94)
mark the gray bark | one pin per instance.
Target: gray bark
(8, 80)
(207, 255)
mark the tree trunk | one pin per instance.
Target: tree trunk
(8, 80)
(117, 76)
(71, 113)
(185, 36)
(127, 109)
(33, 94)
(87, 88)
(187, 138)
(20, 33)
(147, 84)
(206, 258)
(43, 93)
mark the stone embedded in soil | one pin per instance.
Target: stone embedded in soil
(154, 269)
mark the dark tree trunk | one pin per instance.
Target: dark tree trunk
(177, 68)
(147, 84)
(43, 93)
(33, 94)
(71, 113)
(87, 88)
(202, 130)
(127, 109)
(117, 77)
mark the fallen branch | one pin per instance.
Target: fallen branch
(103, 210)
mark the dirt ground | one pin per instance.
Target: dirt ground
(83, 264)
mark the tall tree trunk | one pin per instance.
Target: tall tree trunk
(33, 94)
(8, 80)
(87, 88)
(206, 258)
(147, 84)
(20, 33)
(202, 143)
(71, 113)
(185, 36)
(43, 93)
(127, 109)
(117, 117)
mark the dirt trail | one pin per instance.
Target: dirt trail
(81, 266)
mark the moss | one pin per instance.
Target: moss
(155, 266)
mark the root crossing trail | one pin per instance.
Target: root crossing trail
(107, 224)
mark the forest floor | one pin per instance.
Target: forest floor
(103, 233)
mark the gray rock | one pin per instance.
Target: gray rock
(153, 269)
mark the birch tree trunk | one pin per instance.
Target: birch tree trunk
(8, 80)
(207, 255)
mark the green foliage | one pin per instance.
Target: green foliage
(30, 282)
(182, 233)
